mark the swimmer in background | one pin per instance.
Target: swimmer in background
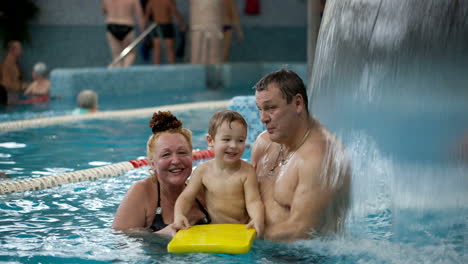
(161, 12)
(230, 18)
(87, 103)
(120, 24)
(40, 85)
(229, 183)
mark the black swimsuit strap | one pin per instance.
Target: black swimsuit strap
(158, 221)
(207, 218)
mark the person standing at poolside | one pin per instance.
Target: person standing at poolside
(41, 85)
(230, 19)
(149, 203)
(120, 26)
(162, 12)
(10, 75)
(303, 174)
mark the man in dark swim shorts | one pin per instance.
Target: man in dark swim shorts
(161, 12)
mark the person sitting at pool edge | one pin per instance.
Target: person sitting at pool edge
(229, 183)
(304, 175)
(87, 102)
(41, 85)
(169, 151)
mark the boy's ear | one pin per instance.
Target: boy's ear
(209, 140)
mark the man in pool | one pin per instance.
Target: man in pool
(303, 174)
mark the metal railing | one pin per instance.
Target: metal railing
(132, 45)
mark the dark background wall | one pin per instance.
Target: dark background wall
(68, 34)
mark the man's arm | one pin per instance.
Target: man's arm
(310, 200)
(253, 202)
(148, 10)
(186, 199)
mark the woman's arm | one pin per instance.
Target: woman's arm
(132, 210)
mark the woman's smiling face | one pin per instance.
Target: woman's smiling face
(172, 159)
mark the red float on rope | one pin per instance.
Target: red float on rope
(34, 100)
(197, 155)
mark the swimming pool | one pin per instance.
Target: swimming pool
(402, 212)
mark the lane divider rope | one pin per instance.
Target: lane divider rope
(116, 114)
(85, 175)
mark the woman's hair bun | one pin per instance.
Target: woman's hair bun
(163, 121)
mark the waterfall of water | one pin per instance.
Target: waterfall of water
(390, 79)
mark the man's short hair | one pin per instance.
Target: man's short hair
(40, 68)
(289, 84)
(87, 99)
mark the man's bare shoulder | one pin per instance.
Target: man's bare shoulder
(262, 142)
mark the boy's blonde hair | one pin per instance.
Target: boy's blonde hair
(224, 116)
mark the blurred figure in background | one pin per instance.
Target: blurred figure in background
(87, 102)
(230, 19)
(161, 12)
(40, 85)
(120, 23)
(10, 74)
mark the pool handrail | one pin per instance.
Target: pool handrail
(132, 45)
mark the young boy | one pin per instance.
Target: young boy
(229, 183)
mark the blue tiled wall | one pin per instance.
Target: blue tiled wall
(120, 81)
(70, 46)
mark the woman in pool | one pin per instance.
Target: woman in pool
(149, 203)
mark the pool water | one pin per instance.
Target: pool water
(402, 212)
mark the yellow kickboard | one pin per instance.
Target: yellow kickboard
(213, 238)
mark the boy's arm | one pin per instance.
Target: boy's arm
(177, 16)
(186, 198)
(253, 202)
